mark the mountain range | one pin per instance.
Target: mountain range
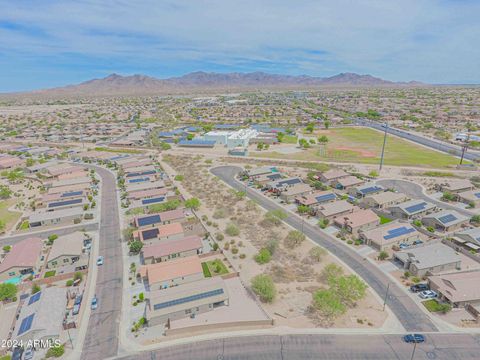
(115, 84)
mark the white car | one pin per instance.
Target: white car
(428, 294)
(100, 260)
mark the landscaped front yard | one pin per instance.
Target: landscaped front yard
(433, 305)
(214, 268)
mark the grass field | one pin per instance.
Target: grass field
(363, 145)
(8, 217)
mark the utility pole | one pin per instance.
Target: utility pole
(465, 147)
(383, 146)
(386, 295)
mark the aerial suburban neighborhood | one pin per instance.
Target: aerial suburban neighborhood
(225, 180)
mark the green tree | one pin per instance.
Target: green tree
(310, 127)
(135, 246)
(317, 253)
(294, 239)
(263, 286)
(35, 289)
(323, 139)
(232, 230)
(276, 217)
(8, 292)
(303, 209)
(326, 123)
(5, 192)
(264, 256)
(348, 288)
(192, 203)
(373, 173)
(382, 255)
(328, 303)
(55, 351)
(331, 271)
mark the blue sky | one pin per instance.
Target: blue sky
(52, 43)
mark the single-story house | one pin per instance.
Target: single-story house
(456, 186)
(147, 194)
(41, 315)
(171, 249)
(357, 221)
(86, 180)
(316, 198)
(365, 190)
(161, 218)
(459, 289)
(163, 306)
(175, 272)
(330, 176)
(412, 209)
(470, 197)
(50, 218)
(468, 239)
(263, 170)
(429, 259)
(24, 258)
(161, 232)
(383, 200)
(69, 188)
(390, 234)
(145, 186)
(446, 220)
(347, 182)
(283, 184)
(68, 250)
(289, 193)
(330, 211)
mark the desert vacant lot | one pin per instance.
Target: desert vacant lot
(364, 146)
(8, 217)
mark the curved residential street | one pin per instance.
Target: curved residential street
(101, 340)
(415, 191)
(325, 347)
(404, 308)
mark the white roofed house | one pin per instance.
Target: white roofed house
(470, 197)
(456, 186)
(445, 221)
(330, 211)
(53, 218)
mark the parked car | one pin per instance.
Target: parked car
(403, 246)
(414, 338)
(76, 309)
(417, 242)
(428, 294)
(78, 299)
(100, 260)
(28, 354)
(94, 304)
(419, 287)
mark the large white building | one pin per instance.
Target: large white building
(232, 139)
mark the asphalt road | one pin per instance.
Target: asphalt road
(415, 191)
(11, 240)
(331, 347)
(444, 147)
(101, 340)
(404, 308)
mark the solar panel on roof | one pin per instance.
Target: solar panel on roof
(152, 200)
(326, 197)
(393, 233)
(34, 298)
(289, 182)
(72, 193)
(370, 189)
(65, 203)
(416, 207)
(149, 234)
(26, 324)
(274, 176)
(133, 181)
(447, 218)
(148, 172)
(187, 299)
(148, 220)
